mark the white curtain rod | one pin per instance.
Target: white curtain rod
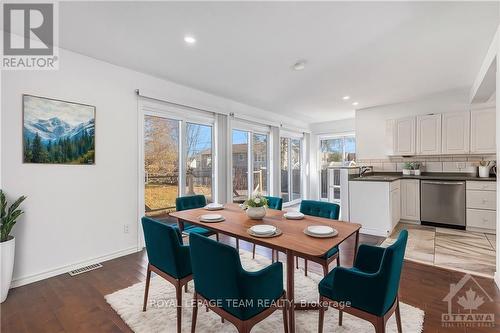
(231, 114)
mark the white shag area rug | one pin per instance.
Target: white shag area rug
(161, 313)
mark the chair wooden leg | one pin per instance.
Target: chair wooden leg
(186, 287)
(398, 317)
(321, 315)
(195, 313)
(217, 236)
(340, 317)
(253, 251)
(325, 269)
(237, 244)
(222, 320)
(305, 267)
(277, 255)
(285, 318)
(146, 291)
(297, 262)
(380, 325)
(338, 260)
(178, 291)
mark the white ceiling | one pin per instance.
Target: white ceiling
(378, 53)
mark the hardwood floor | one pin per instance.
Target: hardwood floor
(76, 304)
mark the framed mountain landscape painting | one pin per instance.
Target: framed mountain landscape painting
(57, 132)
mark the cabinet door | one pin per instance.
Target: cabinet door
(483, 131)
(456, 130)
(429, 134)
(395, 206)
(410, 199)
(404, 136)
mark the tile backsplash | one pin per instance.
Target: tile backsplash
(459, 163)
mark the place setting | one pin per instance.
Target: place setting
(214, 206)
(293, 216)
(211, 218)
(320, 231)
(264, 231)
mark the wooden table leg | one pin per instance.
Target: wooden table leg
(356, 242)
(290, 271)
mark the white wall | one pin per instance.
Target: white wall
(334, 127)
(371, 142)
(76, 214)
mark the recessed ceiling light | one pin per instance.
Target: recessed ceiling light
(299, 65)
(345, 98)
(355, 103)
(189, 40)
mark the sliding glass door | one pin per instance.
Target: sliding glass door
(199, 168)
(178, 160)
(291, 168)
(244, 144)
(161, 164)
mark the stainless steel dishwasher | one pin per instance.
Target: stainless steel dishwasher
(442, 203)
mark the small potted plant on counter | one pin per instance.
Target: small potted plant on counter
(256, 206)
(8, 217)
(416, 168)
(407, 166)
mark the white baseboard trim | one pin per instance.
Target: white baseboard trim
(64, 269)
(497, 279)
(374, 232)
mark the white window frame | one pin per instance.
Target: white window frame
(251, 129)
(318, 157)
(293, 136)
(183, 115)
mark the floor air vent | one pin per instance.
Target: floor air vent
(84, 269)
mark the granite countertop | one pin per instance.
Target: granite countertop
(392, 176)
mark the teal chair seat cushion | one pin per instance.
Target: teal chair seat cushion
(198, 230)
(372, 284)
(331, 252)
(220, 278)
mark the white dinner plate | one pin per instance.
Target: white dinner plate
(211, 217)
(214, 206)
(263, 229)
(320, 230)
(293, 215)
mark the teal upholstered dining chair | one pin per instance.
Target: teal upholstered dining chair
(241, 297)
(326, 210)
(371, 286)
(272, 203)
(192, 202)
(168, 258)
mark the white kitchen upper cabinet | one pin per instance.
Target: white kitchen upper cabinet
(404, 136)
(410, 199)
(429, 134)
(456, 133)
(483, 126)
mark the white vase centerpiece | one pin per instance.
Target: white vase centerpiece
(256, 206)
(8, 217)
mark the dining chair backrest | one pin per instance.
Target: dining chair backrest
(274, 202)
(216, 269)
(165, 248)
(190, 202)
(390, 269)
(320, 209)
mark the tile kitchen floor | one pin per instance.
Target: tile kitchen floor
(466, 251)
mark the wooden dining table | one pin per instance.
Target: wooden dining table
(293, 241)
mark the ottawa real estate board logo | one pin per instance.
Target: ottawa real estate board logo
(30, 36)
(465, 301)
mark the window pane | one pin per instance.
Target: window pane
(350, 148)
(284, 168)
(199, 160)
(296, 167)
(161, 164)
(240, 166)
(331, 152)
(260, 167)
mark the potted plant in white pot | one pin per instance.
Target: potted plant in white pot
(256, 206)
(8, 217)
